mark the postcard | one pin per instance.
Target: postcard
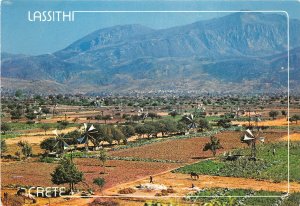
(151, 103)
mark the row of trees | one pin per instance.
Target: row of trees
(121, 133)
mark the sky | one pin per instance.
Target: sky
(19, 36)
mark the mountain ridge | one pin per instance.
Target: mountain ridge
(235, 49)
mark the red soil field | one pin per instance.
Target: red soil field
(38, 173)
(190, 150)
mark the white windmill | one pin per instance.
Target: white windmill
(88, 134)
(251, 140)
(192, 121)
(60, 145)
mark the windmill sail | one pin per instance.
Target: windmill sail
(66, 145)
(249, 132)
(55, 132)
(246, 138)
(91, 128)
(80, 140)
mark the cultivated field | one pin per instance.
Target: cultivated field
(163, 144)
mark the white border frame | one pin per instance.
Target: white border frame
(211, 11)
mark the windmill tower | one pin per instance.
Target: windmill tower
(192, 122)
(251, 140)
(60, 145)
(88, 134)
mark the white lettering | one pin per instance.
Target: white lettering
(48, 191)
(62, 190)
(37, 16)
(40, 190)
(50, 16)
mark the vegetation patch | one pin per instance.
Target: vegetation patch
(128, 190)
(268, 166)
(237, 197)
(143, 159)
(143, 142)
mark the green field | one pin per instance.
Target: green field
(267, 166)
(24, 126)
(234, 197)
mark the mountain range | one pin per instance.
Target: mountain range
(240, 52)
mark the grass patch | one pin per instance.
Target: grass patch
(142, 159)
(25, 126)
(207, 167)
(267, 166)
(8, 135)
(248, 198)
(95, 154)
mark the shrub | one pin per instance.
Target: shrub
(127, 191)
(30, 122)
(47, 159)
(171, 190)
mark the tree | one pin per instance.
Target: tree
(213, 145)
(135, 118)
(152, 115)
(106, 117)
(273, 114)
(140, 130)
(202, 124)
(225, 123)
(174, 113)
(71, 137)
(48, 144)
(3, 146)
(156, 127)
(117, 135)
(45, 110)
(5, 127)
(168, 126)
(18, 93)
(181, 127)
(100, 182)
(103, 157)
(16, 114)
(62, 125)
(45, 127)
(128, 132)
(30, 116)
(295, 118)
(26, 149)
(107, 132)
(102, 134)
(284, 113)
(67, 173)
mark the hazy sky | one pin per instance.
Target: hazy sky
(21, 36)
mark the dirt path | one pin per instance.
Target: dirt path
(181, 183)
(276, 122)
(293, 137)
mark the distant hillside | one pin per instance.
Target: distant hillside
(223, 54)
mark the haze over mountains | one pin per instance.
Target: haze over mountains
(241, 52)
